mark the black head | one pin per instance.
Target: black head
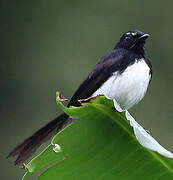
(133, 40)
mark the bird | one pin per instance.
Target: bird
(123, 74)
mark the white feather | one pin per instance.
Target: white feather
(129, 87)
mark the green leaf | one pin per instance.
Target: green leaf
(101, 144)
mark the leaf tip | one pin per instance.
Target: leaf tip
(60, 97)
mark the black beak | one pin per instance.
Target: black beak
(141, 39)
(144, 37)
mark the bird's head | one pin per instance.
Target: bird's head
(132, 40)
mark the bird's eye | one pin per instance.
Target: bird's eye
(127, 39)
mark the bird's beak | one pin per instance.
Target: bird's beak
(141, 39)
(144, 37)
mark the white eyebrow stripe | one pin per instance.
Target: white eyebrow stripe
(128, 33)
(133, 34)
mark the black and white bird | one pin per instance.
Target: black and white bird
(123, 74)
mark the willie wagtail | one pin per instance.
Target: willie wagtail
(123, 74)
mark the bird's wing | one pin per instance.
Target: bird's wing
(150, 66)
(103, 70)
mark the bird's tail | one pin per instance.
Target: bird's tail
(24, 150)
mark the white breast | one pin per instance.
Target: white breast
(129, 87)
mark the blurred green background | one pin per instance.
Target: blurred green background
(52, 45)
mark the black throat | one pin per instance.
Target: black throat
(130, 57)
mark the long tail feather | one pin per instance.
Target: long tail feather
(24, 150)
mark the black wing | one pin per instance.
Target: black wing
(103, 70)
(150, 66)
